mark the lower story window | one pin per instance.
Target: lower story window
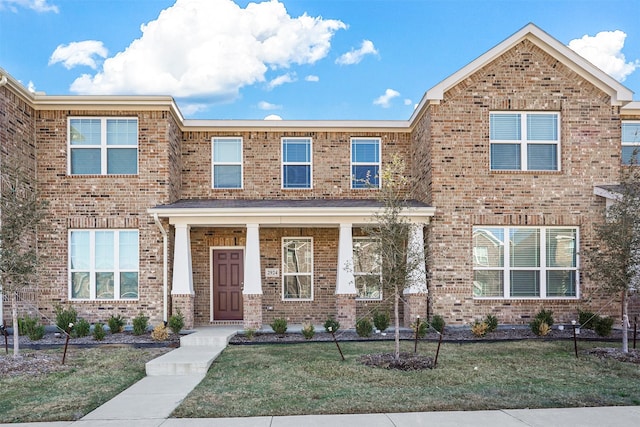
(525, 262)
(366, 268)
(297, 268)
(103, 264)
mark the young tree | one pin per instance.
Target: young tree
(615, 262)
(400, 258)
(20, 213)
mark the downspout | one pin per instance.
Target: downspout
(3, 81)
(165, 273)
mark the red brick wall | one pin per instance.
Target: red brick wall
(465, 192)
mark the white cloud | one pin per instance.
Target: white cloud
(264, 105)
(210, 49)
(312, 78)
(355, 56)
(37, 5)
(79, 53)
(273, 117)
(604, 50)
(31, 87)
(385, 100)
(407, 101)
(280, 80)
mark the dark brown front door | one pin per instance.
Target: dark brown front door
(227, 284)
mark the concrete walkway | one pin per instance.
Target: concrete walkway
(171, 377)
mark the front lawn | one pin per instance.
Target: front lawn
(310, 378)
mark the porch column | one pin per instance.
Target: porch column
(252, 287)
(345, 283)
(182, 294)
(415, 294)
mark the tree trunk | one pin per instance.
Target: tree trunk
(396, 311)
(625, 321)
(14, 318)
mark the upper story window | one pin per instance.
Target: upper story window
(297, 268)
(103, 146)
(367, 269)
(630, 143)
(296, 163)
(525, 141)
(103, 264)
(365, 163)
(227, 162)
(525, 262)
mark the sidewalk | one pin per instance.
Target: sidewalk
(171, 377)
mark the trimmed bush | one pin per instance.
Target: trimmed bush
(479, 329)
(31, 327)
(603, 326)
(492, 323)
(422, 328)
(331, 325)
(545, 316)
(437, 323)
(308, 331)
(140, 324)
(176, 322)
(539, 327)
(279, 325)
(587, 319)
(160, 333)
(65, 317)
(98, 332)
(82, 328)
(381, 320)
(116, 324)
(364, 328)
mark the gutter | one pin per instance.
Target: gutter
(165, 272)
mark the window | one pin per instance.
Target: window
(366, 268)
(297, 268)
(524, 141)
(103, 264)
(365, 163)
(630, 143)
(227, 162)
(296, 163)
(103, 146)
(525, 262)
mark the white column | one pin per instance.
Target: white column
(252, 276)
(182, 270)
(345, 283)
(417, 280)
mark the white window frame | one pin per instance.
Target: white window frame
(309, 163)
(357, 273)
(542, 268)
(103, 147)
(215, 163)
(633, 142)
(377, 164)
(286, 274)
(92, 270)
(524, 142)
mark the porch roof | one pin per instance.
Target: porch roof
(282, 212)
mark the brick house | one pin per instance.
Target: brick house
(510, 162)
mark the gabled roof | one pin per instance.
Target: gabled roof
(619, 94)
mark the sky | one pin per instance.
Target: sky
(291, 59)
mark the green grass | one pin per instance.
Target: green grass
(311, 379)
(95, 376)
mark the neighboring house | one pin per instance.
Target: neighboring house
(242, 221)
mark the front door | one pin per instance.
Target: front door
(228, 269)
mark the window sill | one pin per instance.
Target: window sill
(525, 298)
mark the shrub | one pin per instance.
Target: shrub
(176, 322)
(539, 327)
(603, 326)
(381, 320)
(98, 332)
(308, 331)
(479, 329)
(65, 317)
(31, 327)
(422, 328)
(437, 323)
(492, 323)
(545, 316)
(160, 333)
(364, 328)
(140, 324)
(82, 328)
(331, 325)
(250, 333)
(279, 325)
(116, 324)
(587, 319)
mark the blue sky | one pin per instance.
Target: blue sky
(296, 59)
